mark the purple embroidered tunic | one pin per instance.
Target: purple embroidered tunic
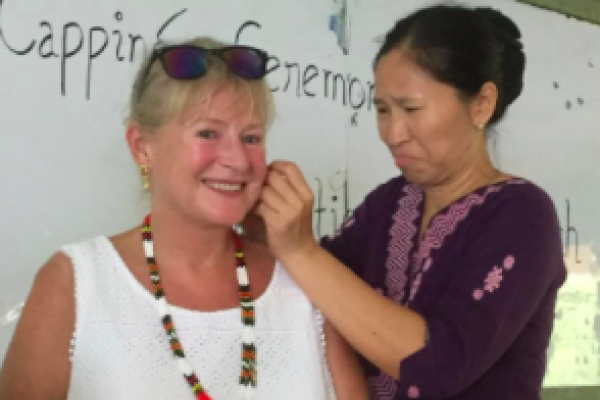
(484, 277)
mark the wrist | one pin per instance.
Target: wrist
(302, 255)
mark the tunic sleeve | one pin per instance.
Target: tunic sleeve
(510, 270)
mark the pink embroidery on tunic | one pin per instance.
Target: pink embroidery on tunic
(427, 265)
(415, 286)
(441, 227)
(404, 229)
(382, 387)
(414, 392)
(494, 278)
(446, 223)
(417, 282)
(509, 262)
(478, 294)
(401, 234)
(492, 282)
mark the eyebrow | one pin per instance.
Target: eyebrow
(401, 101)
(255, 126)
(211, 120)
(215, 121)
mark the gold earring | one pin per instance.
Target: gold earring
(145, 171)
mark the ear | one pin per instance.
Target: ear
(484, 104)
(139, 144)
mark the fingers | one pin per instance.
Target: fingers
(286, 197)
(273, 200)
(285, 205)
(278, 185)
(294, 178)
(267, 214)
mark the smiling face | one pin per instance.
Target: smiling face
(209, 164)
(429, 130)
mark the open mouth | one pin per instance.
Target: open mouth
(225, 186)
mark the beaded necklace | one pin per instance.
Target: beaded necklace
(248, 373)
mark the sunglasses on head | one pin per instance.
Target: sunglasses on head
(186, 62)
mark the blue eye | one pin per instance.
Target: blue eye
(206, 134)
(252, 139)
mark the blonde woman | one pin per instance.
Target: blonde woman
(179, 307)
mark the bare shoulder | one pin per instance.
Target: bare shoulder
(53, 286)
(37, 361)
(52, 290)
(58, 270)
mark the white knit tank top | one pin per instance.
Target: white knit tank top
(121, 352)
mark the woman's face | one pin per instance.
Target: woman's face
(428, 129)
(210, 164)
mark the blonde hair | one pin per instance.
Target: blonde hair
(156, 98)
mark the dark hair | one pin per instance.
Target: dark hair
(463, 48)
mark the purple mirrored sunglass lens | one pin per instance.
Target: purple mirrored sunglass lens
(247, 63)
(185, 62)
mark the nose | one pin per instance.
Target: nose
(395, 132)
(232, 153)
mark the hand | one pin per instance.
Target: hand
(286, 206)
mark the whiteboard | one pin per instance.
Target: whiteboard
(66, 67)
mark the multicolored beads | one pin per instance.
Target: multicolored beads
(248, 376)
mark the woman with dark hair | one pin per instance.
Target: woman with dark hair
(445, 278)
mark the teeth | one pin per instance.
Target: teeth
(230, 187)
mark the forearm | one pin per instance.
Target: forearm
(382, 331)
